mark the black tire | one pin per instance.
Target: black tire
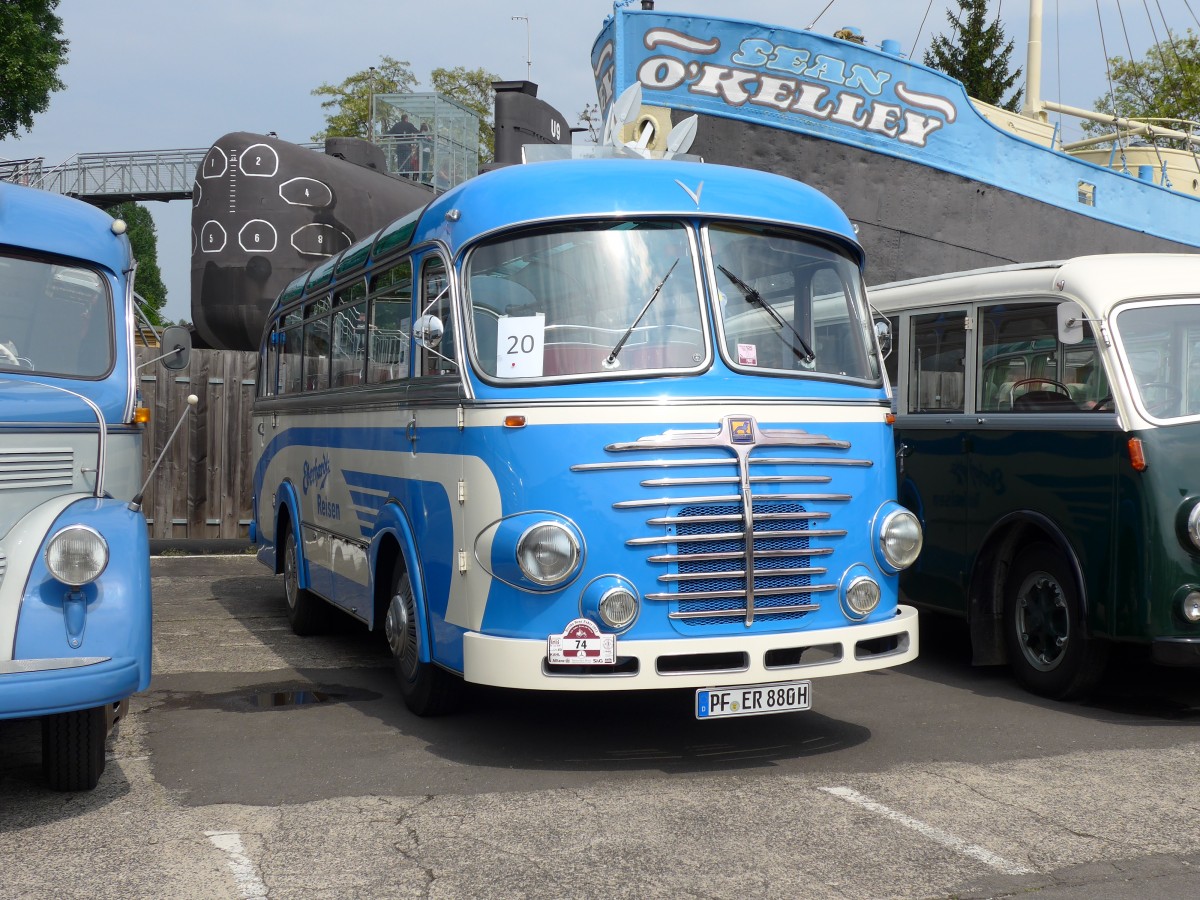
(428, 690)
(306, 612)
(73, 748)
(1049, 650)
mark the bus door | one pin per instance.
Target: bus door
(434, 441)
(1047, 439)
(933, 440)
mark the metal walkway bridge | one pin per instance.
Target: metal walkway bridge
(107, 179)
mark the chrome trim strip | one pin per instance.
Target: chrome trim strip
(735, 517)
(726, 498)
(731, 613)
(733, 595)
(741, 573)
(18, 666)
(733, 554)
(734, 536)
(733, 479)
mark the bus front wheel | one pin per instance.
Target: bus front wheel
(1049, 650)
(305, 610)
(73, 748)
(427, 689)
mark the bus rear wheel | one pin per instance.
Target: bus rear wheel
(428, 690)
(305, 610)
(1049, 650)
(73, 748)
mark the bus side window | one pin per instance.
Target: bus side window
(937, 362)
(316, 345)
(390, 328)
(289, 361)
(348, 350)
(435, 301)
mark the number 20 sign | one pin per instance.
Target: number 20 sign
(519, 342)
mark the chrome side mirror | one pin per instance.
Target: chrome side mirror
(428, 331)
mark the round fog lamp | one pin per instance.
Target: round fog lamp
(618, 608)
(1191, 606)
(77, 555)
(547, 553)
(862, 596)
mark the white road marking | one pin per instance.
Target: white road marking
(245, 873)
(934, 834)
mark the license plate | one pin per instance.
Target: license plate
(753, 699)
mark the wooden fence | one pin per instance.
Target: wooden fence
(202, 489)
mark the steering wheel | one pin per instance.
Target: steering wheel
(1057, 384)
(8, 358)
(1104, 404)
(1169, 398)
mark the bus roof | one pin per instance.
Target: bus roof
(39, 220)
(538, 192)
(1097, 282)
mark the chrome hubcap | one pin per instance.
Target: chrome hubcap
(291, 580)
(400, 628)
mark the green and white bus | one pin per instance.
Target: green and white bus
(1047, 435)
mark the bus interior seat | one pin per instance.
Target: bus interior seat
(1044, 401)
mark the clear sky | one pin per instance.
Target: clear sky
(168, 74)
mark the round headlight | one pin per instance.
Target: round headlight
(77, 555)
(1193, 526)
(1191, 606)
(862, 596)
(618, 608)
(547, 553)
(900, 538)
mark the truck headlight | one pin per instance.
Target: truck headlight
(900, 538)
(861, 597)
(547, 553)
(77, 555)
(1193, 526)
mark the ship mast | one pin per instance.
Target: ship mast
(1033, 107)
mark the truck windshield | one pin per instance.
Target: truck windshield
(1161, 344)
(586, 300)
(54, 319)
(789, 304)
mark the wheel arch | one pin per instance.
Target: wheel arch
(394, 541)
(1004, 542)
(287, 516)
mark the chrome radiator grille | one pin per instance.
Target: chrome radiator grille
(753, 550)
(36, 467)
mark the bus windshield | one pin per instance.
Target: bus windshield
(586, 300)
(54, 319)
(1161, 344)
(787, 303)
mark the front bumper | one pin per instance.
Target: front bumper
(1176, 651)
(663, 664)
(41, 687)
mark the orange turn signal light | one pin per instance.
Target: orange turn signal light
(514, 421)
(141, 415)
(1137, 454)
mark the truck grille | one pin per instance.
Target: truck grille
(758, 550)
(21, 469)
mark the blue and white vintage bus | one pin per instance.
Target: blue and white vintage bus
(74, 555)
(592, 425)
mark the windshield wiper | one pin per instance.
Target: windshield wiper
(611, 362)
(805, 352)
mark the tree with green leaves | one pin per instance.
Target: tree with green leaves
(348, 107)
(31, 52)
(143, 241)
(473, 89)
(1165, 84)
(977, 55)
